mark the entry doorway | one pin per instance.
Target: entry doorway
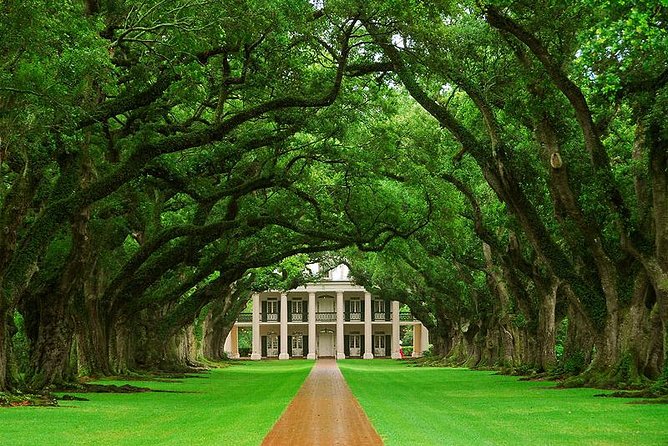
(326, 344)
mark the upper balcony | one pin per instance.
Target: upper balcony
(354, 310)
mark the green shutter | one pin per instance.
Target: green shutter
(305, 311)
(362, 308)
(305, 341)
(264, 346)
(346, 310)
(388, 345)
(264, 312)
(290, 345)
(387, 310)
(362, 345)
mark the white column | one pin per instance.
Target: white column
(234, 341)
(425, 340)
(339, 326)
(395, 330)
(368, 340)
(256, 354)
(311, 326)
(284, 327)
(417, 340)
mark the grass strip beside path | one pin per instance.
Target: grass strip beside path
(440, 406)
(236, 405)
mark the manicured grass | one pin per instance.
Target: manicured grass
(236, 405)
(437, 406)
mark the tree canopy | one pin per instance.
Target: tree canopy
(500, 167)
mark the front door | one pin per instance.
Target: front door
(326, 344)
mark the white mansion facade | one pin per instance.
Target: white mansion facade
(331, 318)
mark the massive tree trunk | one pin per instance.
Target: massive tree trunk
(546, 332)
(91, 339)
(216, 326)
(181, 351)
(120, 343)
(579, 343)
(53, 345)
(5, 349)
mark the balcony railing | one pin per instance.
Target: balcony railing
(297, 317)
(270, 317)
(325, 316)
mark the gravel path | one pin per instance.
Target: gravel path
(324, 412)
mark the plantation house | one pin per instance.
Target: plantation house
(331, 318)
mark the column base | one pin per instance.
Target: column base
(255, 356)
(416, 355)
(283, 356)
(340, 355)
(396, 355)
(368, 356)
(311, 356)
(233, 356)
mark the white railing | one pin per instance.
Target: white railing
(329, 316)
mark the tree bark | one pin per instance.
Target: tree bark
(52, 349)
(91, 339)
(5, 349)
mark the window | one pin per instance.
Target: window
(379, 306)
(354, 341)
(296, 306)
(379, 342)
(272, 310)
(272, 342)
(297, 342)
(355, 306)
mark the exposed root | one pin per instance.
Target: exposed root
(20, 400)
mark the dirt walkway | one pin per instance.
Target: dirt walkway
(324, 412)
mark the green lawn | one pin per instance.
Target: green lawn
(437, 406)
(232, 406)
